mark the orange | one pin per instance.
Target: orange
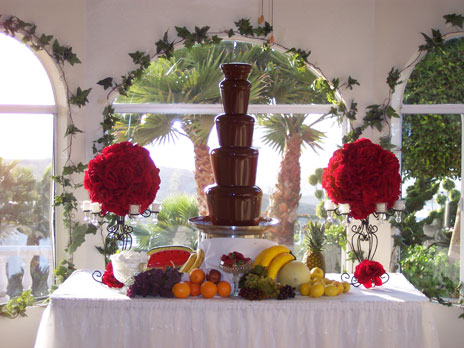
(223, 289)
(197, 275)
(181, 290)
(195, 289)
(208, 289)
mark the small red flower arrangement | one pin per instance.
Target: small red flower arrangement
(109, 278)
(122, 175)
(368, 272)
(362, 174)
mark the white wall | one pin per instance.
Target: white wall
(361, 38)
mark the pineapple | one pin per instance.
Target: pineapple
(314, 243)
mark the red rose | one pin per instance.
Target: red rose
(362, 174)
(123, 174)
(109, 279)
(368, 272)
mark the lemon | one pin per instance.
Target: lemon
(317, 272)
(331, 290)
(304, 289)
(339, 286)
(316, 290)
(346, 286)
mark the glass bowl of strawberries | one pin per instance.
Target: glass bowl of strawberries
(237, 264)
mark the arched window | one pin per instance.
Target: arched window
(27, 108)
(430, 139)
(171, 110)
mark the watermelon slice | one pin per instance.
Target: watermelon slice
(164, 256)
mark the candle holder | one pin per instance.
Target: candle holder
(364, 232)
(120, 231)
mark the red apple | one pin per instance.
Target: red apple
(213, 275)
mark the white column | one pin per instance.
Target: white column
(27, 278)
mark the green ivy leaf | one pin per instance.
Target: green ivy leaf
(165, 47)
(351, 82)
(80, 98)
(72, 130)
(432, 42)
(79, 168)
(182, 32)
(64, 269)
(455, 20)
(106, 83)
(392, 79)
(45, 39)
(244, 27)
(201, 34)
(140, 58)
(78, 236)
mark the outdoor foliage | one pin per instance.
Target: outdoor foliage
(429, 270)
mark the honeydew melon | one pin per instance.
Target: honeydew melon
(294, 274)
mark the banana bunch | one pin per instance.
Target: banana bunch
(194, 261)
(274, 258)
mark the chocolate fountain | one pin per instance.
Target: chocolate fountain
(234, 201)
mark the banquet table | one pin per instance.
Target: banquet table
(85, 313)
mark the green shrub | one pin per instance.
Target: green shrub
(429, 270)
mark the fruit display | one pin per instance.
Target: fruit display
(164, 256)
(194, 261)
(314, 243)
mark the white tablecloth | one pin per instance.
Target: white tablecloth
(85, 313)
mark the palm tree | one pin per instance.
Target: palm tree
(288, 134)
(173, 218)
(190, 76)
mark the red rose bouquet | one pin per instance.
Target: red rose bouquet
(368, 272)
(109, 278)
(122, 175)
(362, 174)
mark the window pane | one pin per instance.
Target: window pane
(24, 79)
(430, 230)
(25, 189)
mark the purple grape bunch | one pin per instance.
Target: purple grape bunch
(154, 282)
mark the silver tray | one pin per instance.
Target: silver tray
(203, 223)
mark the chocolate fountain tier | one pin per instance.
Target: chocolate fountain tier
(235, 88)
(234, 166)
(234, 205)
(235, 130)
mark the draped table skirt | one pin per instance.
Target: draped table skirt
(85, 313)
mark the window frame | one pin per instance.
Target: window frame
(402, 109)
(59, 112)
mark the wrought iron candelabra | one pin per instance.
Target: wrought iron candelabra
(120, 231)
(364, 232)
